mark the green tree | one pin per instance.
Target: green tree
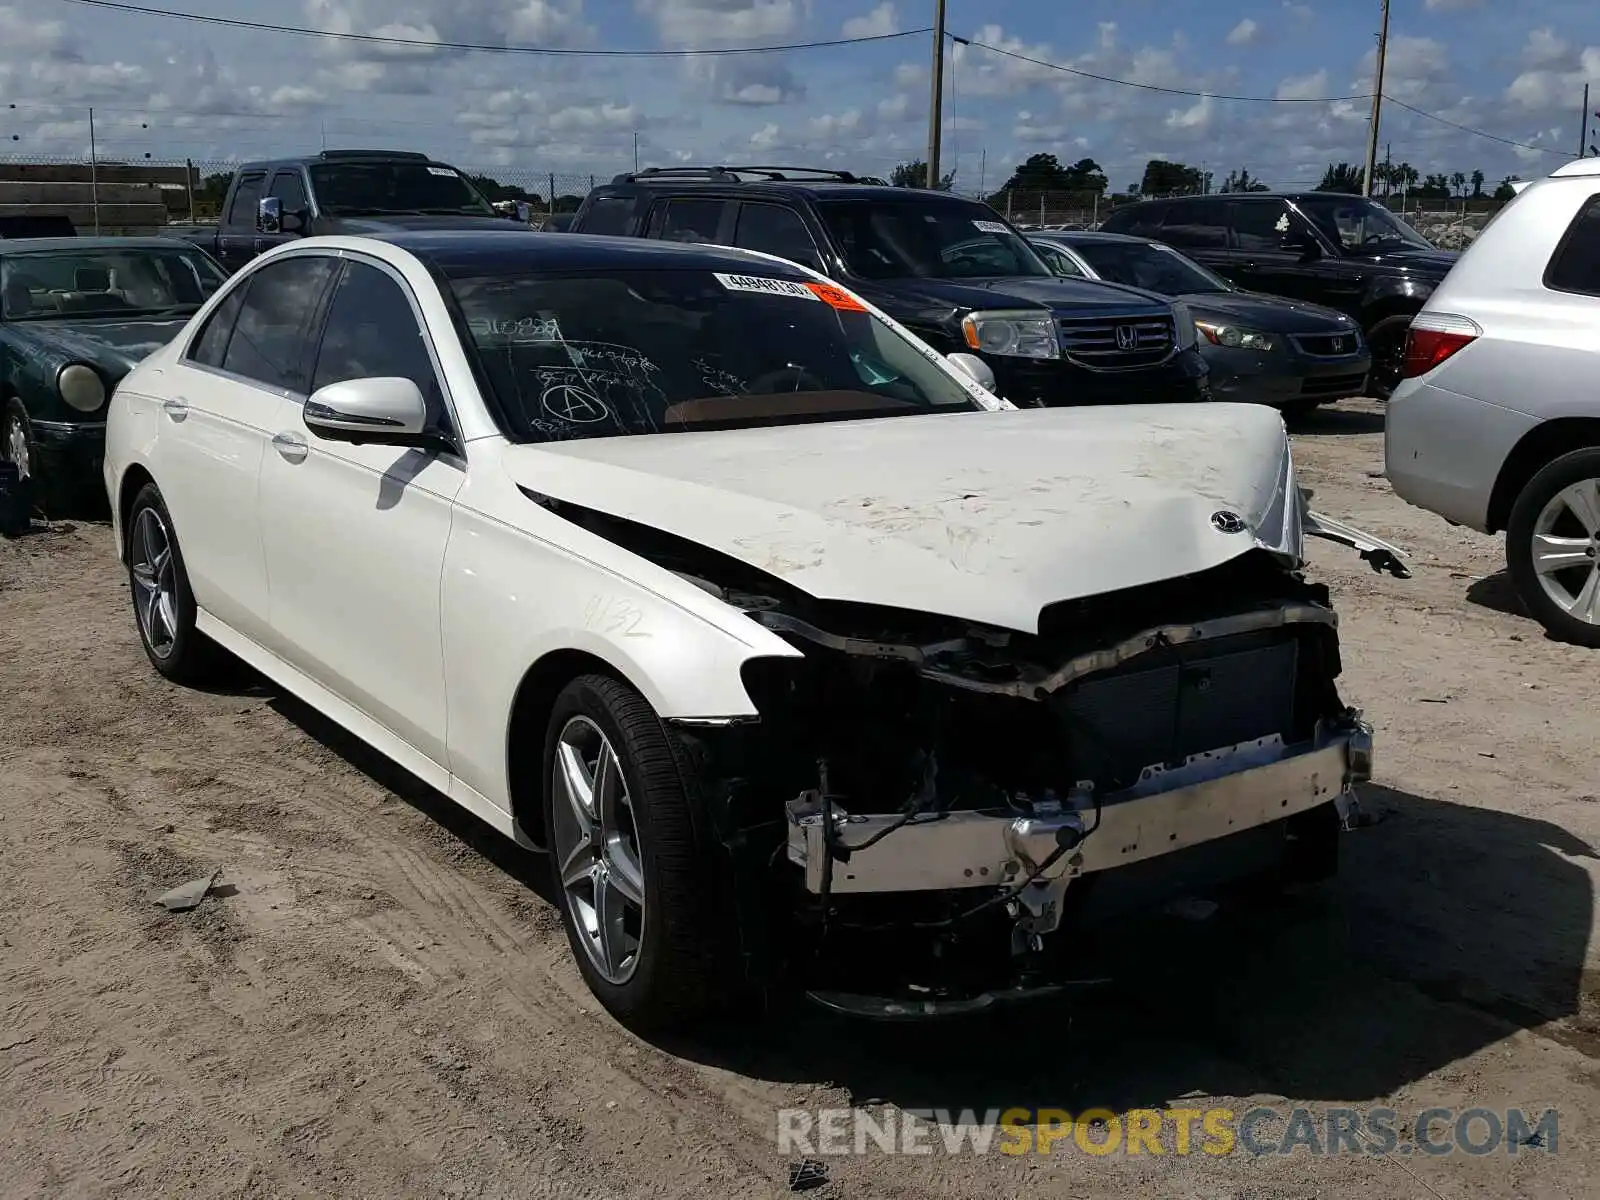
(1435, 186)
(1163, 178)
(1477, 185)
(1341, 177)
(1458, 183)
(1505, 191)
(1242, 181)
(914, 174)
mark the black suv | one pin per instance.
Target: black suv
(1344, 252)
(951, 270)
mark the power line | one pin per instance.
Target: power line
(1493, 137)
(1148, 87)
(481, 47)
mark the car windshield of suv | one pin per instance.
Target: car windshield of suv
(907, 240)
(1149, 265)
(1358, 224)
(591, 354)
(131, 281)
(356, 189)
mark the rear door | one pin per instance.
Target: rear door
(777, 229)
(224, 402)
(236, 238)
(1198, 228)
(706, 219)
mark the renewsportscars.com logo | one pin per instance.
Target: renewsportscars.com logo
(1217, 1132)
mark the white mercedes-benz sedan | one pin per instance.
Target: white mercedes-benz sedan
(806, 659)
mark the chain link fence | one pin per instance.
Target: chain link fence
(139, 197)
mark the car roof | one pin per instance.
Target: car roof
(1219, 197)
(28, 245)
(465, 250)
(1075, 237)
(326, 157)
(815, 189)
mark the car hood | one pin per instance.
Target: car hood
(1058, 294)
(987, 517)
(391, 222)
(114, 347)
(1270, 314)
(1432, 263)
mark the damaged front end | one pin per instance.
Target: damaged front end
(922, 805)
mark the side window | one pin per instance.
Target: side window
(773, 229)
(1058, 262)
(1141, 220)
(1193, 225)
(609, 216)
(288, 187)
(211, 347)
(372, 331)
(1576, 264)
(689, 220)
(1261, 224)
(269, 338)
(243, 209)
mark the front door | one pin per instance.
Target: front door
(355, 535)
(236, 236)
(221, 408)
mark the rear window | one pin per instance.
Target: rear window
(585, 354)
(1575, 266)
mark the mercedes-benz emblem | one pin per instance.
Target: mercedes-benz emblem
(1224, 521)
(1127, 337)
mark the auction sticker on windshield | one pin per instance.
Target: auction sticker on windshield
(445, 171)
(837, 297)
(765, 286)
(990, 227)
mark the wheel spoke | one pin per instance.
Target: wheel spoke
(149, 536)
(1551, 553)
(608, 786)
(1583, 501)
(610, 929)
(578, 865)
(1586, 604)
(577, 785)
(622, 867)
(144, 578)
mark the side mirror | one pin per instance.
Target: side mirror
(384, 411)
(974, 368)
(293, 222)
(269, 215)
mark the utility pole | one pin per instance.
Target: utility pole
(983, 164)
(1377, 105)
(1583, 125)
(94, 176)
(635, 156)
(936, 106)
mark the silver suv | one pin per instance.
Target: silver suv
(1496, 423)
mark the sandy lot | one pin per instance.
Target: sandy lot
(377, 1002)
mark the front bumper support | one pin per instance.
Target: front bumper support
(1212, 795)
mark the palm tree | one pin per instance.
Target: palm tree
(1477, 185)
(1458, 182)
(1341, 177)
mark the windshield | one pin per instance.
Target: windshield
(907, 240)
(106, 282)
(350, 189)
(1149, 265)
(582, 354)
(1358, 224)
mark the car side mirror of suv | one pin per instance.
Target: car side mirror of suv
(269, 215)
(382, 411)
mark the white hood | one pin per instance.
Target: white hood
(983, 516)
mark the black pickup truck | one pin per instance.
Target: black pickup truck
(341, 191)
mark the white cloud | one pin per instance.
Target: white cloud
(1451, 5)
(1196, 117)
(1303, 87)
(877, 23)
(1244, 33)
(722, 22)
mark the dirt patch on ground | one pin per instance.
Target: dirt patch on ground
(376, 1001)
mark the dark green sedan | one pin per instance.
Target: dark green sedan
(76, 314)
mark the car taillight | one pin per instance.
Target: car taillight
(1434, 337)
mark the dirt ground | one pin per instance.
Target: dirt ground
(377, 1002)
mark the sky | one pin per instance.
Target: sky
(173, 89)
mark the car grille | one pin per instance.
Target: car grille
(1327, 345)
(1203, 698)
(1334, 386)
(1092, 341)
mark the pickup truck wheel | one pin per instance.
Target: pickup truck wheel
(1553, 547)
(163, 605)
(630, 877)
(1387, 341)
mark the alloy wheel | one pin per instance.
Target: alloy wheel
(1566, 550)
(154, 585)
(17, 445)
(596, 844)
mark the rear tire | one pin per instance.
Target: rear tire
(1558, 512)
(163, 605)
(631, 877)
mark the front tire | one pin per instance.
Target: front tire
(1387, 341)
(163, 604)
(17, 446)
(1553, 547)
(631, 878)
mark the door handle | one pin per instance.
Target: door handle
(176, 407)
(291, 447)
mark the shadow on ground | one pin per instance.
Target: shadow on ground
(1497, 593)
(1331, 419)
(1448, 928)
